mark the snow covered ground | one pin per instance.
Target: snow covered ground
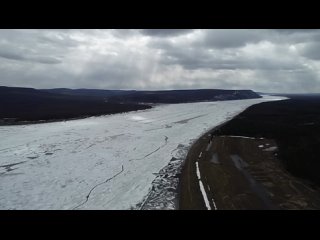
(106, 162)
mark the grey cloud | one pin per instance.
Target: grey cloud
(294, 36)
(312, 51)
(40, 46)
(31, 58)
(124, 33)
(112, 72)
(237, 38)
(220, 38)
(44, 60)
(197, 58)
(304, 81)
(14, 73)
(309, 32)
(58, 41)
(165, 32)
(115, 75)
(11, 55)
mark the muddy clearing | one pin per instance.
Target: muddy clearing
(242, 173)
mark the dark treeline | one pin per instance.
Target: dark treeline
(27, 104)
(184, 96)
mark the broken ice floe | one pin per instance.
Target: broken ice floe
(164, 191)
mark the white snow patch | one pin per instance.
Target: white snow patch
(137, 118)
(239, 137)
(270, 149)
(140, 118)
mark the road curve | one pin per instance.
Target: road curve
(194, 193)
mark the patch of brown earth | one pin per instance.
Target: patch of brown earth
(242, 173)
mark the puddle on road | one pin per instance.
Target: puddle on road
(208, 146)
(240, 164)
(214, 159)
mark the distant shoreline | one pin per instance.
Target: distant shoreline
(2, 124)
(28, 106)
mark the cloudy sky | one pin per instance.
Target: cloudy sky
(261, 60)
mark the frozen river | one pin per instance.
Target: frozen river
(105, 162)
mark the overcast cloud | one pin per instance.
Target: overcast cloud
(155, 59)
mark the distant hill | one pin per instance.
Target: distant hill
(89, 92)
(294, 95)
(184, 96)
(167, 96)
(28, 104)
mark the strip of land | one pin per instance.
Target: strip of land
(242, 165)
(241, 173)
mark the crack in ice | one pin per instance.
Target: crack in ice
(166, 141)
(87, 197)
